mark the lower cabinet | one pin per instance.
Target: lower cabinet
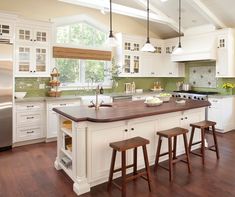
(52, 120)
(100, 136)
(222, 111)
(29, 121)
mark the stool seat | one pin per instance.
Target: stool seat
(203, 124)
(129, 144)
(172, 132)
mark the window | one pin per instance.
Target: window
(82, 34)
(76, 72)
(82, 72)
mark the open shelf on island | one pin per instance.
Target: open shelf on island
(67, 131)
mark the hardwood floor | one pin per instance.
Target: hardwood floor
(29, 172)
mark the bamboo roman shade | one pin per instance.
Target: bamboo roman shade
(75, 53)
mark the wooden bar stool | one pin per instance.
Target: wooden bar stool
(203, 125)
(172, 133)
(123, 146)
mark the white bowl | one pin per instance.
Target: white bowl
(153, 104)
(165, 98)
(20, 95)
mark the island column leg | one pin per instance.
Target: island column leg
(81, 184)
(59, 143)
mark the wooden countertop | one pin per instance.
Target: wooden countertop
(126, 110)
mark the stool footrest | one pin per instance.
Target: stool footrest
(163, 154)
(119, 169)
(198, 154)
(117, 186)
(139, 174)
(195, 143)
(163, 167)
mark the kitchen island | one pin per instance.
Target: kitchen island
(89, 132)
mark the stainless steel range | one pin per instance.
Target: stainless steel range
(195, 95)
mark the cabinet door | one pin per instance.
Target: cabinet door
(222, 57)
(24, 34)
(23, 59)
(41, 36)
(214, 114)
(41, 64)
(5, 30)
(52, 128)
(100, 151)
(146, 130)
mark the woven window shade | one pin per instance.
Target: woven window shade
(75, 53)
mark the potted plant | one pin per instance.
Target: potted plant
(228, 87)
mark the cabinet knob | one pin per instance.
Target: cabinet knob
(132, 129)
(217, 72)
(186, 118)
(0, 34)
(34, 71)
(34, 40)
(182, 119)
(31, 71)
(31, 39)
(126, 130)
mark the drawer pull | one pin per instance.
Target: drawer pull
(63, 104)
(30, 118)
(30, 106)
(30, 132)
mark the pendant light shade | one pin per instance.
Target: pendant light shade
(111, 41)
(179, 49)
(148, 47)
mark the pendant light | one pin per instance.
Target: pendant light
(111, 41)
(179, 49)
(148, 47)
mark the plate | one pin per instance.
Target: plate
(153, 104)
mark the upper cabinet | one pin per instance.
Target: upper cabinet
(128, 55)
(135, 63)
(225, 63)
(32, 49)
(6, 29)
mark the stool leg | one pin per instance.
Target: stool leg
(123, 173)
(175, 146)
(111, 169)
(146, 161)
(135, 161)
(158, 153)
(187, 152)
(191, 139)
(203, 145)
(215, 141)
(170, 158)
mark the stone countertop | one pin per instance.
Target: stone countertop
(71, 97)
(126, 110)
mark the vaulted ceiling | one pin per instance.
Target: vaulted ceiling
(164, 15)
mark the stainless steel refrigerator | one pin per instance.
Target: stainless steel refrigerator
(6, 95)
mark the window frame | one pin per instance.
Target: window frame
(63, 21)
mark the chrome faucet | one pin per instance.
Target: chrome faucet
(97, 104)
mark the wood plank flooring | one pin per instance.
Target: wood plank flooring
(29, 172)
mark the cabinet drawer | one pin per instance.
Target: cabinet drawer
(28, 118)
(29, 106)
(215, 103)
(28, 133)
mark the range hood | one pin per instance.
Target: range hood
(197, 48)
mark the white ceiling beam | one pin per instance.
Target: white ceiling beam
(206, 12)
(170, 22)
(124, 10)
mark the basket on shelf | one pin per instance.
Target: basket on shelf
(54, 83)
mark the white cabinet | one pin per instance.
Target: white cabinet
(225, 63)
(52, 120)
(222, 112)
(30, 121)
(170, 68)
(6, 29)
(32, 61)
(128, 55)
(32, 49)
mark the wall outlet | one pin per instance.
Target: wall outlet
(41, 86)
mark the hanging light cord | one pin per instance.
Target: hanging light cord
(179, 24)
(148, 41)
(110, 19)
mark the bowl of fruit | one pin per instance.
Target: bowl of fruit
(152, 102)
(165, 97)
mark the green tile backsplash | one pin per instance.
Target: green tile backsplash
(31, 85)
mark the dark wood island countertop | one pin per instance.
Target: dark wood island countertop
(126, 110)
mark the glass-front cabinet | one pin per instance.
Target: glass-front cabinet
(32, 61)
(129, 55)
(6, 30)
